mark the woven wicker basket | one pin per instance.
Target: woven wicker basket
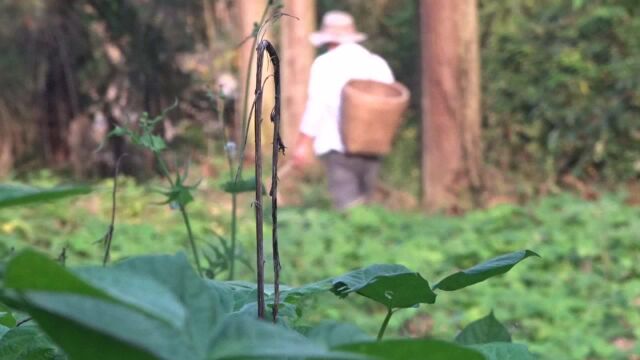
(371, 114)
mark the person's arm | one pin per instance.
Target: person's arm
(309, 126)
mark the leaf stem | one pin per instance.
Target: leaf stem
(109, 236)
(192, 242)
(234, 231)
(384, 324)
(183, 212)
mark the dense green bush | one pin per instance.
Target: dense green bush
(561, 86)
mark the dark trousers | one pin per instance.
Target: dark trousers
(351, 178)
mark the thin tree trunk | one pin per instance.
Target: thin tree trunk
(452, 151)
(298, 54)
(248, 13)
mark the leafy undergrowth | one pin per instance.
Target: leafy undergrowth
(157, 307)
(580, 301)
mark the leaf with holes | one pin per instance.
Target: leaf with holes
(394, 286)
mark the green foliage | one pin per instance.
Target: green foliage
(560, 86)
(157, 307)
(482, 331)
(14, 194)
(144, 308)
(240, 186)
(27, 343)
(504, 351)
(6, 317)
(414, 349)
(482, 272)
(394, 286)
(588, 249)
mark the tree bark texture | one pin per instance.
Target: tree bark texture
(249, 13)
(451, 160)
(297, 57)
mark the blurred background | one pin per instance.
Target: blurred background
(538, 146)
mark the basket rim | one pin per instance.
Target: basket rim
(403, 94)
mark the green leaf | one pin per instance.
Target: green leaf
(241, 292)
(294, 295)
(179, 194)
(126, 314)
(504, 351)
(145, 294)
(51, 276)
(91, 328)
(120, 131)
(16, 194)
(395, 286)
(27, 343)
(483, 271)
(334, 334)
(206, 302)
(413, 349)
(287, 313)
(152, 142)
(241, 186)
(482, 331)
(6, 317)
(242, 337)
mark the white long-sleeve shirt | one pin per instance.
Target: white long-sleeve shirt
(329, 74)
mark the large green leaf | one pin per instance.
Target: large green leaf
(83, 326)
(14, 194)
(30, 270)
(482, 331)
(483, 271)
(504, 351)
(242, 337)
(27, 343)
(334, 334)
(294, 295)
(395, 286)
(413, 349)
(143, 293)
(84, 316)
(205, 302)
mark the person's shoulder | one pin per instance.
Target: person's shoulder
(379, 60)
(322, 60)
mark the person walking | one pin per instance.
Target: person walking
(351, 177)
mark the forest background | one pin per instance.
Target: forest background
(560, 150)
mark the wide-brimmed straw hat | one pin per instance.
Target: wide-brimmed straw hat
(337, 27)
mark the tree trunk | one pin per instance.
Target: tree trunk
(451, 146)
(249, 13)
(297, 56)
